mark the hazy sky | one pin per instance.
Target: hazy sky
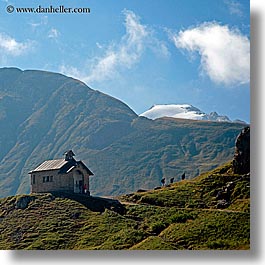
(143, 52)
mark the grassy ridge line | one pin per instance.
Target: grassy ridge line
(201, 192)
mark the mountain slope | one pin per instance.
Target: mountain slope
(162, 148)
(44, 114)
(185, 215)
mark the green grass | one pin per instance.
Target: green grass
(200, 192)
(182, 216)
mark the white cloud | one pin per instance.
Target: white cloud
(53, 33)
(99, 45)
(121, 55)
(72, 71)
(225, 53)
(10, 46)
(234, 7)
(42, 22)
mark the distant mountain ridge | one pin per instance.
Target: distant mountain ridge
(183, 111)
(43, 114)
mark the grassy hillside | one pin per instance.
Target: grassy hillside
(209, 212)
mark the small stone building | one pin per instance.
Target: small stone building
(61, 175)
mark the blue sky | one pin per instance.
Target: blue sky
(141, 52)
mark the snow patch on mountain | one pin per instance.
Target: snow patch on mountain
(182, 111)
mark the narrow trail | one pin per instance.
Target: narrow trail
(201, 209)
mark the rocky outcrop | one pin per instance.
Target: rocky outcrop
(95, 204)
(241, 161)
(23, 201)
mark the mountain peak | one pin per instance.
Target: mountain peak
(182, 111)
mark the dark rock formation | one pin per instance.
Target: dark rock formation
(23, 202)
(95, 204)
(224, 195)
(141, 190)
(241, 161)
(222, 204)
